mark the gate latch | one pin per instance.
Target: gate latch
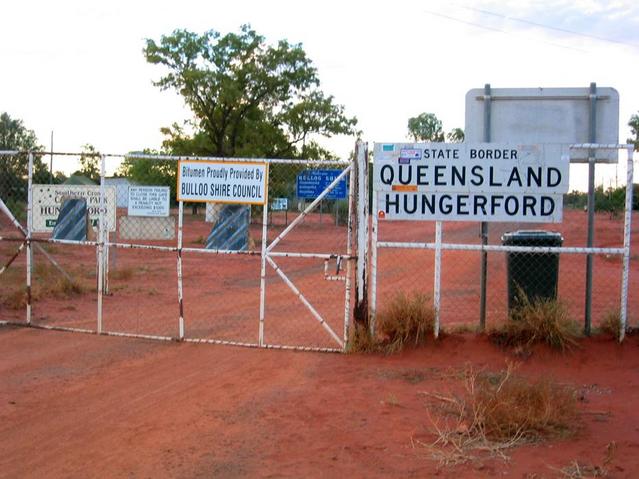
(338, 268)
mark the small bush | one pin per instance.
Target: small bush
(505, 406)
(405, 320)
(16, 299)
(498, 411)
(59, 288)
(362, 341)
(123, 274)
(540, 321)
(611, 324)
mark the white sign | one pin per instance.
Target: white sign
(148, 201)
(476, 181)
(47, 200)
(555, 117)
(279, 204)
(222, 182)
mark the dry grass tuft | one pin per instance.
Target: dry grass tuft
(59, 288)
(579, 470)
(498, 411)
(48, 282)
(123, 274)
(15, 299)
(611, 324)
(405, 320)
(362, 341)
(540, 321)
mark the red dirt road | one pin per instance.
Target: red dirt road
(74, 405)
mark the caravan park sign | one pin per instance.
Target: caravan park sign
(469, 182)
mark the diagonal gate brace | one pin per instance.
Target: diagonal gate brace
(304, 301)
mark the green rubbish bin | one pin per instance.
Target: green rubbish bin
(535, 274)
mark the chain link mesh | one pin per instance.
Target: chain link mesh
(511, 276)
(13, 193)
(221, 292)
(220, 281)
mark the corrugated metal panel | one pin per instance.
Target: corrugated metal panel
(72, 220)
(230, 232)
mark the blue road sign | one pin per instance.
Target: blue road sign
(311, 183)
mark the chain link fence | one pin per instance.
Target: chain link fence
(13, 194)
(172, 270)
(166, 275)
(405, 259)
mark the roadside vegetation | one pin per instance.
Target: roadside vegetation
(537, 321)
(497, 411)
(406, 320)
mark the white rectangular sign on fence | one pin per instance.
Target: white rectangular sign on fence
(148, 201)
(222, 182)
(47, 200)
(462, 182)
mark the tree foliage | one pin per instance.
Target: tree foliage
(249, 98)
(634, 129)
(427, 127)
(456, 135)
(610, 200)
(150, 171)
(90, 163)
(14, 136)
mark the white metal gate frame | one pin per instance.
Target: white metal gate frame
(438, 246)
(267, 254)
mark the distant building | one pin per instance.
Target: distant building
(76, 179)
(122, 189)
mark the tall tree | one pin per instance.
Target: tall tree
(249, 98)
(634, 129)
(456, 135)
(14, 136)
(426, 127)
(90, 162)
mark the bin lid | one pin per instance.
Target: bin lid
(532, 238)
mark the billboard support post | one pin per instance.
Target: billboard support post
(484, 225)
(592, 126)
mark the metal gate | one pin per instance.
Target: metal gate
(288, 288)
(305, 280)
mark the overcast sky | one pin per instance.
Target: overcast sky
(76, 67)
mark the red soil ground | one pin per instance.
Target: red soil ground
(75, 405)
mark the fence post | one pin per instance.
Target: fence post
(349, 248)
(179, 270)
(29, 233)
(361, 275)
(483, 278)
(438, 276)
(626, 245)
(101, 230)
(263, 253)
(592, 137)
